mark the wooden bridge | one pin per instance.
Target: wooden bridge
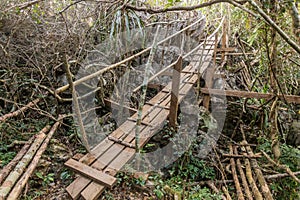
(98, 168)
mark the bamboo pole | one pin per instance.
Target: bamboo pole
(16, 191)
(264, 186)
(242, 174)
(256, 193)
(7, 169)
(239, 192)
(21, 166)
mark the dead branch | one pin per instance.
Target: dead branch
(5, 171)
(21, 166)
(15, 193)
(284, 36)
(235, 177)
(21, 110)
(24, 5)
(189, 8)
(284, 167)
(113, 66)
(283, 175)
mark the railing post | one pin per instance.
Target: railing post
(175, 93)
(224, 40)
(209, 77)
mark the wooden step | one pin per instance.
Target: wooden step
(96, 175)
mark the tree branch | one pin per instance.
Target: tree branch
(274, 25)
(189, 8)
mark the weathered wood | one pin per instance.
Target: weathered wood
(90, 172)
(116, 155)
(94, 190)
(13, 177)
(16, 191)
(245, 94)
(257, 195)
(264, 186)
(223, 50)
(7, 169)
(209, 83)
(242, 175)
(175, 93)
(156, 117)
(239, 192)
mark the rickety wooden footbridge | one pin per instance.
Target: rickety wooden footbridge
(98, 168)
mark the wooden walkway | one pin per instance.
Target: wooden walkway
(98, 168)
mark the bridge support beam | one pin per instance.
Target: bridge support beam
(175, 93)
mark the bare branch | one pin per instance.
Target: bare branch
(189, 8)
(276, 27)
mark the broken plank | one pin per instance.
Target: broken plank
(92, 173)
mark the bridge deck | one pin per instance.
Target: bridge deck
(111, 154)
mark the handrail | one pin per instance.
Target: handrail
(185, 56)
(110, 67)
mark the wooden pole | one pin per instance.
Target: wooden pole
(16, 191)
(175, 93)
(209, 77)
(224, 45)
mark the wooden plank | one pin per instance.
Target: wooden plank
(90, 172)
(175, 93)
(245, 94)
(228, 49)
(208, 84)
(94, 190)
(80, 183)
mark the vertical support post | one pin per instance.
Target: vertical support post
(224, 42)
(175, 93)
(209, 77)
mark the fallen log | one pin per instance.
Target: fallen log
(21, 110)
(21, 166)
(16, 191)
